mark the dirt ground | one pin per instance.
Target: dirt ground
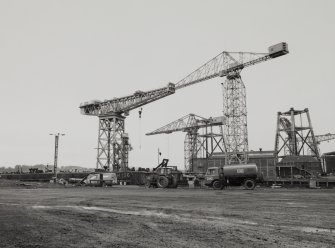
(39, 215)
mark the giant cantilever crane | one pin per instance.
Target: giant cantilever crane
(194, 142)
(230, 65)
(113, 142)
(113, 145)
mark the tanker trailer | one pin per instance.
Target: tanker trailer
(241, 174)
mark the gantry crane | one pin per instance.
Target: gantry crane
(293, 138)
(113, 143)
(287, 127)
(196, 144)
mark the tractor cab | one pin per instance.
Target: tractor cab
(166, 170)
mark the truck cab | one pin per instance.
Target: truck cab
(214, 177)
(100, 179)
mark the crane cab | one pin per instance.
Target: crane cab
(278, 50)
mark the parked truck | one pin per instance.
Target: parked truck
(242, 174)
(99, 179)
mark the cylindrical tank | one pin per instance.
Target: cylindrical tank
(240, 170)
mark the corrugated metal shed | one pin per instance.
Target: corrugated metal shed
(329, 162)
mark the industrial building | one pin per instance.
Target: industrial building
(329, 162)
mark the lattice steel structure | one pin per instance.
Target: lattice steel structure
(196, 144)
(294, 137)
(235, 112)
(110, 143)
(192, 146)
(319, 139)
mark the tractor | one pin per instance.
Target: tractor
(164, 176)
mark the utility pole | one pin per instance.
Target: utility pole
(56, 153)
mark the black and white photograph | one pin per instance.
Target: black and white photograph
(155, 123)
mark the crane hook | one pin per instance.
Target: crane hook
(140, 113)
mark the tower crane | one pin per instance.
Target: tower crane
(194, 142)
(230, 65)
(113, 143)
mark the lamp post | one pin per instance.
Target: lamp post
(56, 153)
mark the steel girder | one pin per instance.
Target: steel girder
(222, 65)
(123, 105)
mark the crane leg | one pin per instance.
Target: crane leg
(110, 142)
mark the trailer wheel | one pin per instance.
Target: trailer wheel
(162, 182)
(217, 185)
(147, 184)
(249, 184)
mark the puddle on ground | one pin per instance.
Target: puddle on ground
(10, 204)
(295, 204)
(306, 229)
(316, 230)
(147, 213)
(189, 218)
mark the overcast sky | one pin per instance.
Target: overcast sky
(56, 54)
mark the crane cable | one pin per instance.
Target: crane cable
(302, 134)
(168, 146)
(139, 126)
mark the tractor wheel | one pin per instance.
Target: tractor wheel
(162, 182)
(217, 185)
(249, 184)
(174, 182)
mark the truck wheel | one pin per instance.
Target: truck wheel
(217, 185)
(162, 182)
(249, 184)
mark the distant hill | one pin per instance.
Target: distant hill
(25, 168)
